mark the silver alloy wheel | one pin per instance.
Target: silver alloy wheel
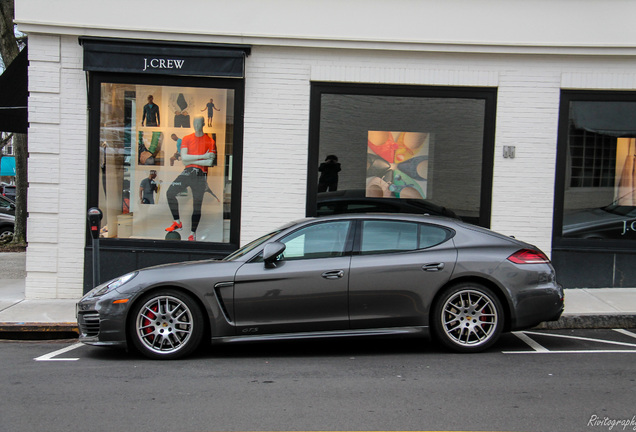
(469, 318)
(164, 324)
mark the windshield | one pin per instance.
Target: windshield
(250, 246)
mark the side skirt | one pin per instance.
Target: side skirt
(396, 331)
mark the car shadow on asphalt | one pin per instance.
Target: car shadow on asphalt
(325, 348)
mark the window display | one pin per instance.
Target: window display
(599, 196)
(165, 159)
(429, 147)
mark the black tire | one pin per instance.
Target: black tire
(166, 324)
(467, 317)
(6, 235)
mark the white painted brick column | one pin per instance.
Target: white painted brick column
(274, 182)
(523, 187)
(57, 168)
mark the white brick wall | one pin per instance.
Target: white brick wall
(275, 141)
(527, 117)
(523, 187)
(276, 136)
(57, 168)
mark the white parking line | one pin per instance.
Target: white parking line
(49, 357)
(532, 343)
(572, 352)
(625, 332)
(581, 338)
(539, 349)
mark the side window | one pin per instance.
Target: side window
(388, 236)
(393, 236)
(321, 240)
(431, 235)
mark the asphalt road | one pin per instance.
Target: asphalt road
(555, 380)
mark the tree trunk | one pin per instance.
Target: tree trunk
(8, 43)
(21, 180)
(9, 50)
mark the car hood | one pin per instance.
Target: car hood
(191, 274)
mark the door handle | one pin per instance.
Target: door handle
(333, 274)
(433, 267)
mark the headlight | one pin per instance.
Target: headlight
(114, 284)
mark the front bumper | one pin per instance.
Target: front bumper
(101, 322)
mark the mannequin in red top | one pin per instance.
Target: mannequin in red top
(198, 152)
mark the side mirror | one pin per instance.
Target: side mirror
(271, 251)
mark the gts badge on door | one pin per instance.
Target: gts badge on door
(250, 330)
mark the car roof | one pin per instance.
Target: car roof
(447, 222)
(358, 196)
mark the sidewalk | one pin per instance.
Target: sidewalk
(584, 308)
(30, 319)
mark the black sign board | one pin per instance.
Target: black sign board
(164, 58)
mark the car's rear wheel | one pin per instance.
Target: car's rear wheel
(468, 318)
(166, 324)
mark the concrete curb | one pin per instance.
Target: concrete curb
(38, 331)
(591, 321)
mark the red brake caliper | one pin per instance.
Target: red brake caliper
(148, 320)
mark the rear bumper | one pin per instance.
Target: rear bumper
(538, 305)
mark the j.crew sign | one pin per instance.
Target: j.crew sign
(162, 63)
(106, 55)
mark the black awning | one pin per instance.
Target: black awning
(14, 95)
(613, 118)
(165, 58)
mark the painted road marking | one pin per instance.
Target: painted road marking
(531, 342)
(50, 356)
(539, 349)
(625, 332)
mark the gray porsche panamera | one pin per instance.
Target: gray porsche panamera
(344, 275)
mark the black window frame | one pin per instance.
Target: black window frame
(488, 94)
(560, 243)
(95, 80)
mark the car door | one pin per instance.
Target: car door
(398, 268)
(306, 290)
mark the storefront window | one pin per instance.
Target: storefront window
(166, 157)
(599, 174)
(411, 147)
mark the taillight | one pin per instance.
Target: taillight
(529, 256)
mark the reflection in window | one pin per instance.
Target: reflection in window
(322, 240)
(600, 193)
(144, 131)
(403, 147)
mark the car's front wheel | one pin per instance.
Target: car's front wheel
(166, 324)
(468, 318)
